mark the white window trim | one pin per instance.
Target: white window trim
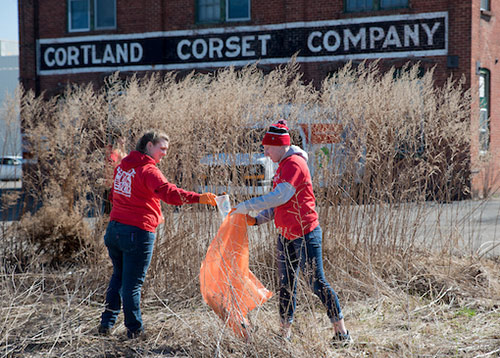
(485, 9)
(485, 79)
(70, 2)
(95, 19)
(239, 18)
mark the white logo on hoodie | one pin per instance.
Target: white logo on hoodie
(123, 182)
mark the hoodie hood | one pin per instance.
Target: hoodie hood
(136, 159)
(294, 150)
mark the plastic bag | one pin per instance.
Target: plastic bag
(223, 204)
(227, 285)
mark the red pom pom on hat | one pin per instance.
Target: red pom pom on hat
(282, 124)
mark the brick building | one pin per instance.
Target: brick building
(85, 40)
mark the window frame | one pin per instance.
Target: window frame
(226, 4)
(92, 17)
(484, 105)
(376, 6)
(224, 13)
(69, 12)
(207, 21)
(95, 17)
(488, 5)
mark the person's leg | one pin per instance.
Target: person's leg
(113, 299)
(137, 246)
(287, 274)
(311, 262)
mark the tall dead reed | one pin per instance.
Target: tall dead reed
(401, 152)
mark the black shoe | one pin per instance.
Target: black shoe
(342, 340)
(104, 331)
(136, 334)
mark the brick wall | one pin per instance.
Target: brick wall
(162, 15)
(486, 52)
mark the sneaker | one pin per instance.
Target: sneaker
(139, 334)
(103, 331)
(342, 340)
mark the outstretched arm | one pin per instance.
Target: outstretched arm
(278, 196)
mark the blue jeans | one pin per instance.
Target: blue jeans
(130, 249)
(304, 253)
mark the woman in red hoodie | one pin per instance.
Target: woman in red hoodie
(138, 188)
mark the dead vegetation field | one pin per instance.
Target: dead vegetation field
(431, 309)
(402, 296)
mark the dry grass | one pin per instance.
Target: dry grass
(429, 310)
(405, 292)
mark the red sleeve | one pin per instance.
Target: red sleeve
(173, 195)
(292, 172)
(168, 192)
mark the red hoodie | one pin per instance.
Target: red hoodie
(138, 187)
(298, 216)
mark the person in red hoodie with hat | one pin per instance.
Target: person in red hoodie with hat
(291, 204)
(138, 187)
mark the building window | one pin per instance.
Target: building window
(79, 15)
(237, 10)
(105, 14)
(86, 15)
(370, 5)
(223, 10)
(209, 11)
(484, 111)
(485, 5)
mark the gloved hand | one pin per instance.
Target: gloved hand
(251, 221)
(208, 198)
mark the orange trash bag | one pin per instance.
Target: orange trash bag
(227, 285)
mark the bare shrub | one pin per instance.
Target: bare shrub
(412, 135)
(55, 244)
(401, 140)
(65, 137)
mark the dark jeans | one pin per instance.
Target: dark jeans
(304, 253)
(130, 250)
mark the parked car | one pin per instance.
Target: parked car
(11, 167)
